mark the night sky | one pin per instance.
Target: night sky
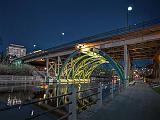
(42, 22)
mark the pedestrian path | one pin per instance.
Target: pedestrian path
(137, 102)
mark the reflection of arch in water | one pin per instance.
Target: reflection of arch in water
(80, 65)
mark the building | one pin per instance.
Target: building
(15, 51)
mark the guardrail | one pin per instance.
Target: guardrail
(72, 103)
(11, 79)
(97, 101)
(93, 97)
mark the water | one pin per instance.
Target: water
(12, 95)
(18, 94)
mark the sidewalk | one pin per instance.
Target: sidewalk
(137, 102)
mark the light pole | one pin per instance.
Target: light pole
(34, 47)
(126, 52)
(129, 9)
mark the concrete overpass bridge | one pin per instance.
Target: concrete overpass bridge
(78, 59)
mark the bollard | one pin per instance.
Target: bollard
(119, 86)
(99, 103)
(112, 89)
(73, 105)
(126, 83)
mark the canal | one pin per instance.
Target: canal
(18, 94)
(11, 95)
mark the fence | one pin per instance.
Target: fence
(10, 79)
(72, 111)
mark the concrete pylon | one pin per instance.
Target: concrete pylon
(126, 65)
(47, 66)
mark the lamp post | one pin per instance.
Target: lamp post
(126, 53)
(129, 9)
(34, 47)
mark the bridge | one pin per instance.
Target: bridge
(73, 63)
(138, 41)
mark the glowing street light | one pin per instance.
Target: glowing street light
(130, 8)
(34, 45)
(62, 33)
(83, 48)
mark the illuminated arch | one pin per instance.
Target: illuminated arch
(83, 66)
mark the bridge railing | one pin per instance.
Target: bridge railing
(93, 98)
(11, 79)
(77, 101)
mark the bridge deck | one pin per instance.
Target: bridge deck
(141, 31)
(138, 102)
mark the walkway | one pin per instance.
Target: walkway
(138, 102)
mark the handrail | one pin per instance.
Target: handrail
(89, 96)
(65, 116)
(88, 89)
(91, 103)
(33, 102)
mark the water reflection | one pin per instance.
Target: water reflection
(13, 100)
(12, 95)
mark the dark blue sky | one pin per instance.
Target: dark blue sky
(41, 22)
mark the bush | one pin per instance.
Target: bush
(23, 69)
(157, 89)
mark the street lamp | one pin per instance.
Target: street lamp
(129, 9)
(34, 45)
(126, 53)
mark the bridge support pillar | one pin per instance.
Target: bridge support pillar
(58, 65)
(126, 65)
(47, 67)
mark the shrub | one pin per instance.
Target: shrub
(23, 69)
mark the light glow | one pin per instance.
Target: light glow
(129, 8)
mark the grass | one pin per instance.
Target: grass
(157, 89)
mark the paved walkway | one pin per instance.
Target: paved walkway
(138, 102)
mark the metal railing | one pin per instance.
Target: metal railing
(92, 98)
(11, 79)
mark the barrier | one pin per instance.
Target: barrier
(72, 111)
(10, 79)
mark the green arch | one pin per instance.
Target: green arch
(103, 56)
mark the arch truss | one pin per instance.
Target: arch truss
(81, 63)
